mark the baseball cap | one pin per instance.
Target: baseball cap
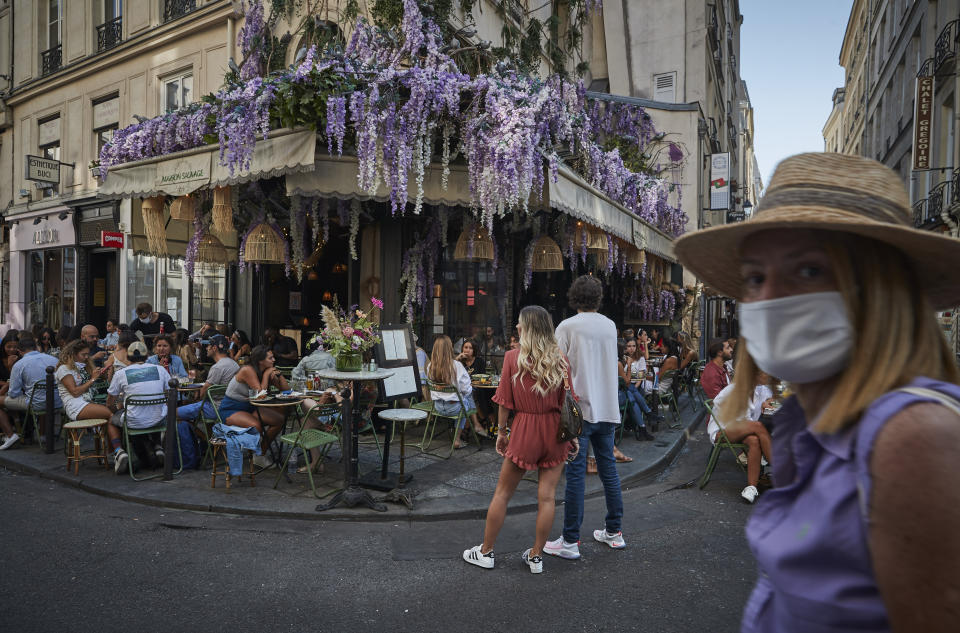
(220, 342)
(137, 351)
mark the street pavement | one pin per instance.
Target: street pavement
(75, 561)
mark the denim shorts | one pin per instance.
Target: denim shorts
(452, 407)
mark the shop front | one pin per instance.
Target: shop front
(43, 269)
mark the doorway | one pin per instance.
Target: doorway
(103, 290)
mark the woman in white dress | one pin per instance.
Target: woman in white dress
(74, 383)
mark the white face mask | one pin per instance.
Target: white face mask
(145, 320)
(800, 339)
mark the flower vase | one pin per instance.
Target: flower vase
(349, 361)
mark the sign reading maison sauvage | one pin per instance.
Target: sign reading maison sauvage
(183, 175)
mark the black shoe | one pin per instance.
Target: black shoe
(643, 435)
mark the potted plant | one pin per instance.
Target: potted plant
(349, 335)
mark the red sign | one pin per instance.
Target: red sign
(111, 239)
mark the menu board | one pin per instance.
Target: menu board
(397, 352)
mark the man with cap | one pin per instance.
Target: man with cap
(224, 368)
(136, 379)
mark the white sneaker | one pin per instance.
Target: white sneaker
(120, 458)
(561, 548)
(535, 563)
(613, 540)
(750, 493)
(764, 462)
(475, 557)
(10, 441)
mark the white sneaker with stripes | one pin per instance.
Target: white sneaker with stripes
(475, 557)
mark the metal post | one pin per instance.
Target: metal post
(170, 437)
(48, 417)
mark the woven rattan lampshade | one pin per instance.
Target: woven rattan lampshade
(223, 210)
(263, 246)
(212, 251)
(482, 245)
(596, 240)
(153, 227)
(546, 255)
(636, 258)
(183, 208)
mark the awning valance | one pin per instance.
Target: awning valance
(336, 177)
(284, 152)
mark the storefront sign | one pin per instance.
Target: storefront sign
(42, 169)
(106, 113)
(179, 177)
(720, 181)
(922, 120)
(735, 216)
(52, 231)
(111, 239)
(46, 236)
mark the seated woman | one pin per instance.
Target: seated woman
(185, 349)
(47, 341)
(163, 355)
(240, 346)
(476, 365)
(118, 359)
(9, 354)
(74, 383)
(748, 430)
(258, 375)
(627, 394)
(671, 362)
(445, 369)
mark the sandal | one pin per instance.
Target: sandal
(620, 457)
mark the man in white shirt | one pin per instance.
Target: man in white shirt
(136, 379)
(589, 341)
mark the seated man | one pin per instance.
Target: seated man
(714, 377)
(136, 379)
(224, 368)
(746, 429)
(149, 322)
(317, 360)
(91, 336)
(284, 348)
(30, 369)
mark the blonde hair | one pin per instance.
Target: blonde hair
(68, 355)
(896, 334)
(441, 367)
(539, 357)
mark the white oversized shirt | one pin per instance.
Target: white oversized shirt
(589, 341)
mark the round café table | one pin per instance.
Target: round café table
(352, 494)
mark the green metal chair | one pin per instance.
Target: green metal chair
(669, 398)
(693, 386)
(203, 424)
(455, 420)
(722, 442)
(32, 415)
(159, 427)
(309, 439)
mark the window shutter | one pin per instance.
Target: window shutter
(664, 87)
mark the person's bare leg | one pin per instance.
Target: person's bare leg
(753, 459)
(94, 411)
(510, 475)
(546, 506)
(5, 425)
(763, 435)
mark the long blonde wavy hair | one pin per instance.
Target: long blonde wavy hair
(539, 357)
(441, 367)
(896, 334)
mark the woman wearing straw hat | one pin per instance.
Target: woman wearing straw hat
(861, 529)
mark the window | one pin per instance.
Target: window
(53, 23)
(110, 32)
(51, 286)
(209, 295)
(112, 9)
(106, 115)
(48, 134)
(177, 91)
(172, 289)
(50, 59)
(141, 278)
(664, 87)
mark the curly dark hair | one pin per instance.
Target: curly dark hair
(585, 293)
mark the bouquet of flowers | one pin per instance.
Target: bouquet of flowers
(348, 331)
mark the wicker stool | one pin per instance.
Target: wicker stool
(75, 432)
(218, 448)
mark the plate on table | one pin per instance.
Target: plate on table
(192, 385)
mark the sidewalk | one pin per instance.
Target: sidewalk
(457, 488)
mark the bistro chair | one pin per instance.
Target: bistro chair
(669, 397)
(722, 442)
(309, 439)
(76, 429)
(159, 427)
(455, 421)
(33, 415)
(693, 385)
(203, 424)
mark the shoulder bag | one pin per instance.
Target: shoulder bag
(571, 417)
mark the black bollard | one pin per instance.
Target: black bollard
(48, 417)
(170, 437)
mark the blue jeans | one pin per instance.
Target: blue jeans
(192, 411)
(452, 408)
(634, 412)
(600, 436)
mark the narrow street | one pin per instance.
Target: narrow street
(96, 564)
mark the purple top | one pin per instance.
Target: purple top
(809, 533)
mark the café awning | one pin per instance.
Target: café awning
(284, 152)
(576, 197)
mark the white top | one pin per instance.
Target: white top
(589, 340)
(70, 401)
(638, 368)
(141, 380)
(754, 408)
(463, 384)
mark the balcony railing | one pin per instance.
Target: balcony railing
(935, 200)
(109, 34)
(50, 60)
(173, 9)
(919, 213)
(713, 26)
(955, 187)
(945, 47)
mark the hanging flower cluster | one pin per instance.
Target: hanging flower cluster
(193, 246)
(417, 270)
(251, 40)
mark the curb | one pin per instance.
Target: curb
(401, 513)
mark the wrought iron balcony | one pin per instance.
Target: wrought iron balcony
(713, 26)
(945, 47)
(955, 187)
(50, 60)
(173, 9)
(919, 213)
(938, 195)
(109, 34)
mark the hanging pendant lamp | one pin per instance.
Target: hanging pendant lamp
(183, 208)
(482, 245)
(546, 255)
(263, 246)
(153, 227)
(223, 210)
(212, 251)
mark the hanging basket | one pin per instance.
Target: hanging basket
(482, 245)
(636, 258)
(212, 251)
(153, 226)
(596, 239)
(546, 255)
(183, 209)
(263, 246)
(223, 210)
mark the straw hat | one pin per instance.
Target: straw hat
(831, 192)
